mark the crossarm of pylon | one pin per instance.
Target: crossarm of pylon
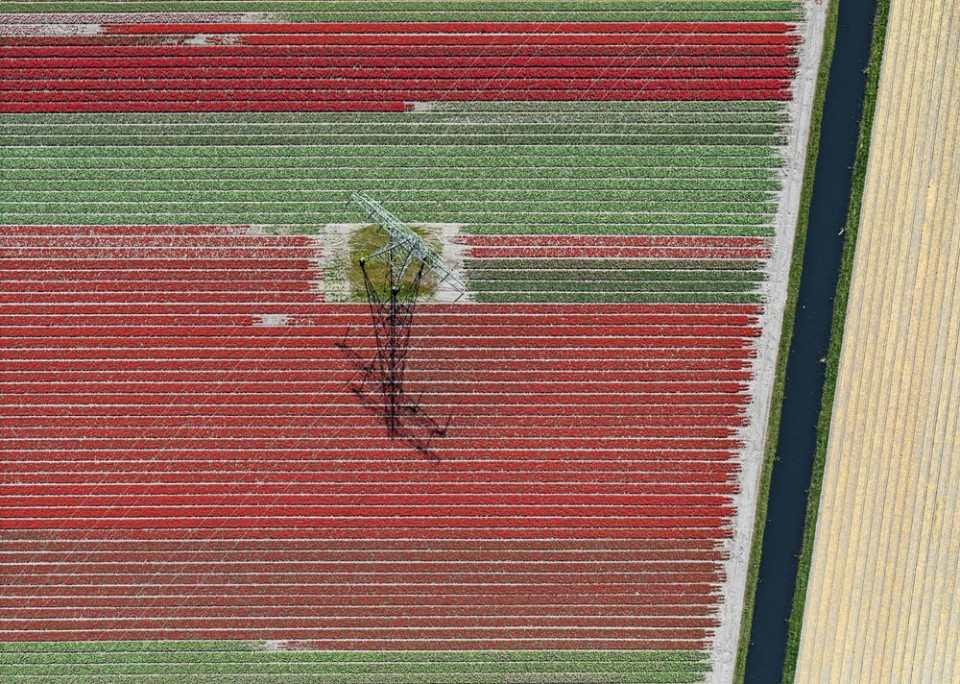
(402, 237)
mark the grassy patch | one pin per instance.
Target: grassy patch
(790, 308)
(367, 240)
(836, 339)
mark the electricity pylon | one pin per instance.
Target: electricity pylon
(392, 294)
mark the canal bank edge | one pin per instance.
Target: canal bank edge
(786, 336)
(836, 339)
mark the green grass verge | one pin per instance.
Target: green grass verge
(790, 308)
(202, 661)
(836, 339)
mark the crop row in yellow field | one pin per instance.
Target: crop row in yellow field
(883, 600)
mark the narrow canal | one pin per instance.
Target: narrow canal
(805, 369)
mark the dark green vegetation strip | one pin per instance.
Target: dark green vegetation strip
(790, 307)
(438, 10)
(614, 168)
(614, 280)
(541, 265)
(836, 339)
(210, 661)
(617, 298)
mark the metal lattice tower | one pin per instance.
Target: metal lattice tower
(404, 247)
(392, 303)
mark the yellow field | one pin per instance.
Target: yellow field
(883, 602)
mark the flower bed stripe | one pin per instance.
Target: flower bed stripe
(189, 409)
(406, 10)
(385, 29)
(30, 88)
(166, 661)
(694, 169)
(267, 55)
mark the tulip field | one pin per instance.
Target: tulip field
(190, 490)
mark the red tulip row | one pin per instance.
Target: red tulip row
(207, 544)
(620, 39)
(454, 27)
(113, 76)
(310, 313)
(282, 105)
(96, 49)
(366, 485)
(451, 329)
(269, 369)
(224, 64)
(308, 639)
(290, 37)
(365, 618)
(685, 538)
(604, 87)
(182, 467)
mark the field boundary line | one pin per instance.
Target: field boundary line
(836, 341)
(786, 335)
